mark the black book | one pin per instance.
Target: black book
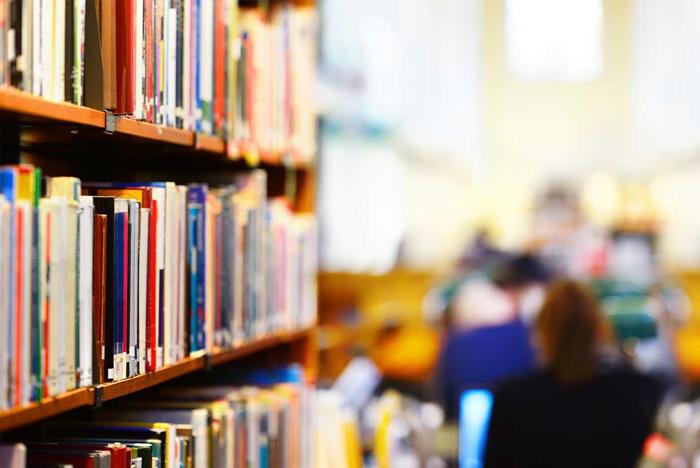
(94, 70)
(14, 46)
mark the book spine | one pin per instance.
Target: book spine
(69, 53)
(151, 303)
(134, 231)
(143, 288)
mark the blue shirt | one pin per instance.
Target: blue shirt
(481, 357)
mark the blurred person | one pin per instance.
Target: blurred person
(489, 340)
(585, 408)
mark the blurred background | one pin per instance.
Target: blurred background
(456, 135)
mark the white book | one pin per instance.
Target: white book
(36, 63)
(78, 48)
(183, 345)
(171, 75)
(69, 209)
(47, 38)
(171, 208)
(24, 309)
(5, 263)
(139, 104)
(59, 53)
(143, 286)
(25, 61)
(55, 288)
(206, 58)
(133, 278)
(187, 86)
(241, 221)
(86, 212)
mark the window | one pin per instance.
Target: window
(554, 40)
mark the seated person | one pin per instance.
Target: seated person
(585, 407)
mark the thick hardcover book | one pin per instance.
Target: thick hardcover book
(105, 206)
(99, 296)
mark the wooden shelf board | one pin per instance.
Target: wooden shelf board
(270, 341)
(23, 103)
(122, 388)
(28, 107)
(53, 406)
(175, 136)
(212, 144)
(46, 408)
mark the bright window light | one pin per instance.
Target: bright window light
(555, 40)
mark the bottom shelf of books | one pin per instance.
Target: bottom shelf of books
(255, 418)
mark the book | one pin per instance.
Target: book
(99, 299)
(13, 455)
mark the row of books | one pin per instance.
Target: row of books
(252, 426)
(104, 281)
(245, 74)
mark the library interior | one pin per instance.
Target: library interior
(349, 233)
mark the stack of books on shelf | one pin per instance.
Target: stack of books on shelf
(104, 281)
(243, 74)
(275, 424)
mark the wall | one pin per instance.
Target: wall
(538, 131)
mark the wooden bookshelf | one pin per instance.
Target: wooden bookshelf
(28, 109)
(94, 396)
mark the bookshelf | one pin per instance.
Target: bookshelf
(24, 110)
(67, 140)
(85, 397)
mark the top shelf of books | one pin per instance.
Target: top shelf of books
(208, 75)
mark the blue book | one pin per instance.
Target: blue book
(9, 180)
(120, 220)
(228, 236)
(196, 256)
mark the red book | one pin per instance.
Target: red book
(151, 343)
(220, 45)
(78, 460)
(120, 453)
(125, 56)
(148, 16)
(47, 310)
